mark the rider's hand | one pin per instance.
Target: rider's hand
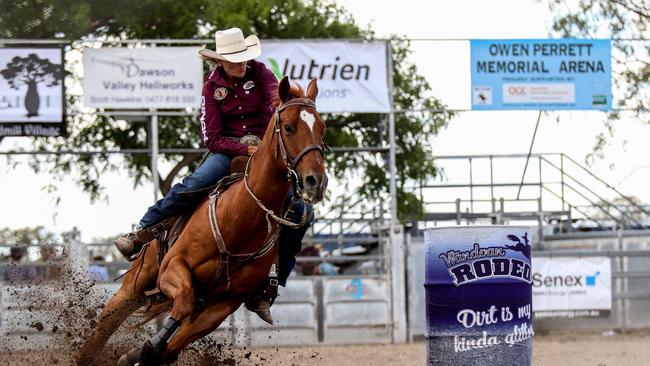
(251, 149)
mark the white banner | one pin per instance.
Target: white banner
(127, 78)
(352, 76)
(31, 91)
(572, 287)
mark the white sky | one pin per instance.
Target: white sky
(446, 66)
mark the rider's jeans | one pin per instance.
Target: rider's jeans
(290, 242)
(214, 167)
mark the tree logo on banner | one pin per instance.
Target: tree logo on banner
(31, 71)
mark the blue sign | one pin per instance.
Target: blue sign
(541, 74)
(478, 296)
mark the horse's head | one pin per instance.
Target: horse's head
(299, 132)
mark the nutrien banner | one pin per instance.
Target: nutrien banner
(136, 78)
(479, 296)
(352, 76)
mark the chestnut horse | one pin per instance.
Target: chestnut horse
(247, 213)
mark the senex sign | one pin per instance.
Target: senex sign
(572, 287)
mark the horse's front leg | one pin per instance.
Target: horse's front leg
(175, 281)
(194, 328)
(191, 329)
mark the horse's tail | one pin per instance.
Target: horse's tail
(153, 312)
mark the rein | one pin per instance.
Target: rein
(269, 213)
(289, 162)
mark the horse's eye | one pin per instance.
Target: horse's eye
(288, 128)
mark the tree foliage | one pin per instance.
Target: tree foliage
(626, 23)
(149, 19)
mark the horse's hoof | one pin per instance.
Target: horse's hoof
(150, 354)
(130, 358)
(123, 361)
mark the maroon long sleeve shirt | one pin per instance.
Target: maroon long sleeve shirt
(236, 109)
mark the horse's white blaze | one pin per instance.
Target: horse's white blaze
(308, 118)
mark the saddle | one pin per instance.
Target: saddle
(167, 240)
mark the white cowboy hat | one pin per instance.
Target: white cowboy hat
(231, 46)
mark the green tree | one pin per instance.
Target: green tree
(626, 23)
(267, 19)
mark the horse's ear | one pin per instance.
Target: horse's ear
(283, 89)
(312, 90)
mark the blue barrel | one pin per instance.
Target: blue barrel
(479, 296)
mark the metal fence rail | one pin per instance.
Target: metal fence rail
(363, 307)
(558, 194)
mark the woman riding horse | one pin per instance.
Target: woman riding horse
(236, 106)
(213, 268)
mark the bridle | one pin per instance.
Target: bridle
(289, 161)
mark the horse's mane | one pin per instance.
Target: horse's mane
(295, 90)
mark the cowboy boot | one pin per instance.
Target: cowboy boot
(131, 244)
(260, 302)
(261, 306)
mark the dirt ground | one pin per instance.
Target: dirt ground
(630, 349)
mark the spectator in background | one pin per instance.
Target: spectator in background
(327, 269)
(315, 268)
(308, 268)
(17, 271)
(51, 271)
(97, 270)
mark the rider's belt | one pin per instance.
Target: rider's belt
(246, 140)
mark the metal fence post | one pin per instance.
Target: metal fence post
(398, 283)
(562, 178)
(622, 282)
(392, 153)
(154, 154)
(540, 221)
(492, 183)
